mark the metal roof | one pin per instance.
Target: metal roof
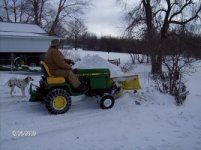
(19, 37)
(8, 29)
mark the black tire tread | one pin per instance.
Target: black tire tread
(49, 99)
(104, 98)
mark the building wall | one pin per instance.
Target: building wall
(29, 49)
(27, 58)
(18, 44)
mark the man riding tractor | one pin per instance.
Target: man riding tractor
(58, 83)
(59, 66)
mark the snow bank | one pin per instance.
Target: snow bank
(95, 61)
(157, 123)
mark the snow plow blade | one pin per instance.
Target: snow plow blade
(128, 82)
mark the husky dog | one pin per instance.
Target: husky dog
(20, 83)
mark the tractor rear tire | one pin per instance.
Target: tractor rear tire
(107, 102)
(58, 101)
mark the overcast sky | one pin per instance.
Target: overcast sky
(104, 17)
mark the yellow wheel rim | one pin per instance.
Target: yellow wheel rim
(59, 102)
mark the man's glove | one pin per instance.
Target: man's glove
(69, 61)
(72, 62)
(75, 71)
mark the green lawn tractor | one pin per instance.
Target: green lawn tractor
(56, 92)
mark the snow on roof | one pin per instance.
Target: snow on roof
(20, 29)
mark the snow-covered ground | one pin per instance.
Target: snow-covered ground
(156, 124)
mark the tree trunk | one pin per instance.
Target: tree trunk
(132, 57)
(156, 62)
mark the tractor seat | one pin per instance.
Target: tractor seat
(50, 78)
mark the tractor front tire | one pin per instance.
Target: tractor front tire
(107, 102)
(58, 101)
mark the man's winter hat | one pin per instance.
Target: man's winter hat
(55, 42)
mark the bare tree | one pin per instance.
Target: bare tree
(15, 11)
(175, 14)
(53, 16)
(160, 17)
(141, 17)
(76, 29)
(173, 81)
(38, 10)
(66, 9)
(5, 14)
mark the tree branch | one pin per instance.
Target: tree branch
(160, 10)
(188, 20)
(188, 2)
